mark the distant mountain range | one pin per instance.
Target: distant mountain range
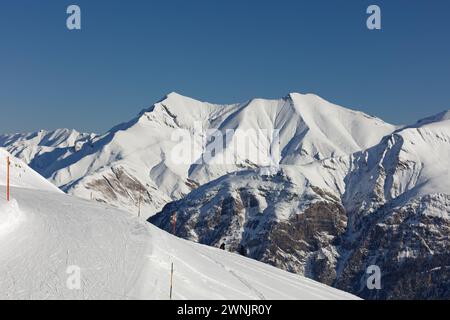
(343, 191)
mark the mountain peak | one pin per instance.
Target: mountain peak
(176, 97)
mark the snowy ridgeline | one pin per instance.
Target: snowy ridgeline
(352, 171)
(21, 175)
(55, 246)
(134, 161)
(331, 219)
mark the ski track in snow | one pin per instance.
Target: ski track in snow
(122, 257)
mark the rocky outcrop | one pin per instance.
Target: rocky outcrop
(410, 244)
(330, 237)
(245, 219)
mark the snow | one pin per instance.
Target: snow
(37, 146)
(310, 129)
(407, 171)
(122, 257)
(45, 234)
(360, 160)
(21, 175)
(10, 217)
(410, 164)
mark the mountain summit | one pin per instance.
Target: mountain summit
(132, 165)
(297, 182)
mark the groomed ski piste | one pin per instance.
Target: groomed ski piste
(46, 236)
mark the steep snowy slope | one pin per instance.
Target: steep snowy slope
(337, 192)
(411, 163)
(136, 164)
(398, 202)
(331, 219)
(120, 257)
(21, 175)
(60, 138)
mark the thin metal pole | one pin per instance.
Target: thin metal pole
(171, 281)
(7, 179)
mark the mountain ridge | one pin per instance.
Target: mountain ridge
(331, 219)
(303, 138)
(325, 191)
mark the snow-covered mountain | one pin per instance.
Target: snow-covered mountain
(133, 164)
(55, 246)
(21, 175)
(331, 219)
(42, 149)
(326, 192)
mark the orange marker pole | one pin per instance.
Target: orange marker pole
(7, 178)
(174, 223)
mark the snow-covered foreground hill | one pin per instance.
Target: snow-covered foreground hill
(45, 234)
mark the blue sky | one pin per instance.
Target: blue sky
(129, 54)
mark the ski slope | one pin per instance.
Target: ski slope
(121, 257)
(44, 233)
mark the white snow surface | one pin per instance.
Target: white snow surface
(37, 145)
(410, 165)
(45, 232)
(10, 217)
(121, 257)
(21, 175)
(310, 129)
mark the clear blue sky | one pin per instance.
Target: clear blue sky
(131, 53)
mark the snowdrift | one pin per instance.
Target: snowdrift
(10, 216)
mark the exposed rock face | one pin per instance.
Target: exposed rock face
(311, 237)
(246, 220)
(119, 185)
(388, 206)
(343, 200)
(411, 248)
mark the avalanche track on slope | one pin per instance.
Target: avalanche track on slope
(121, 257)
